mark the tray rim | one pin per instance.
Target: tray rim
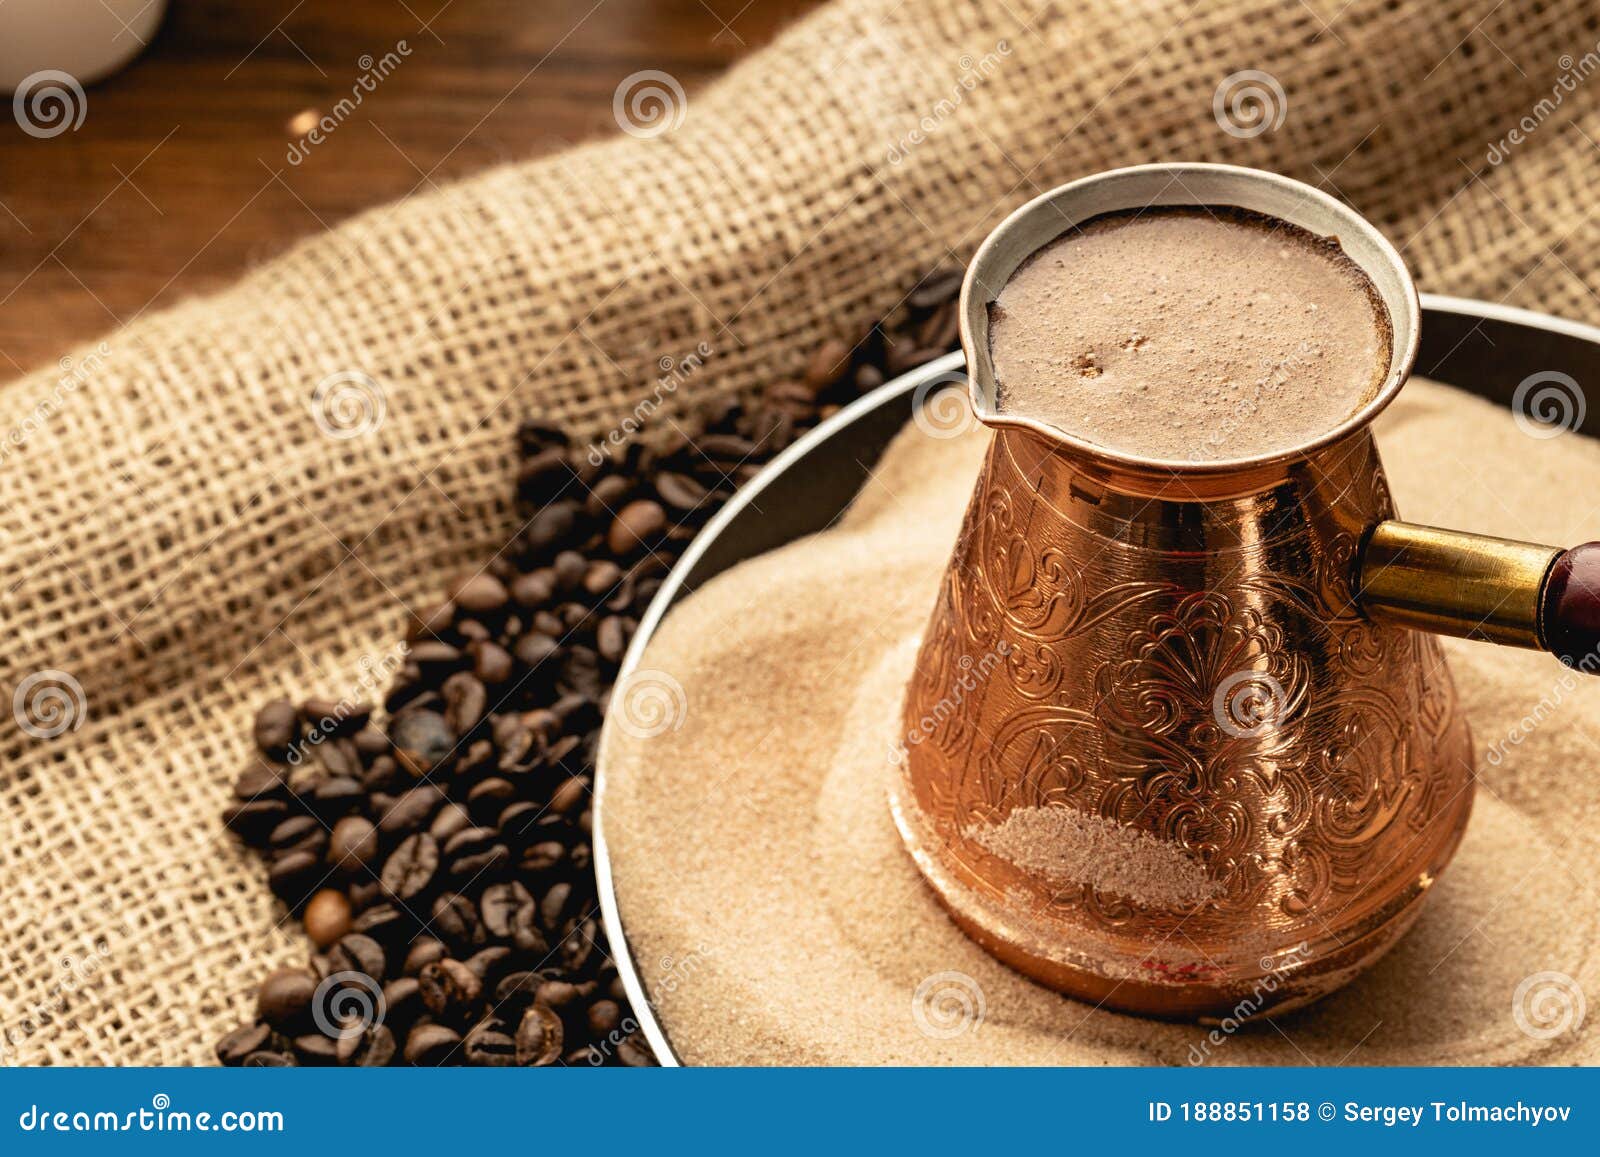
(891, 391)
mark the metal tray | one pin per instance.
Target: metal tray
(1482, 348)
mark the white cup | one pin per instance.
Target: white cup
(86, 39)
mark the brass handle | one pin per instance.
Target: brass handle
(1473, 586)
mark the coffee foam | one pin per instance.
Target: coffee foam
(1189, 334)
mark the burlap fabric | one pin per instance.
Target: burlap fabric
(182, 536)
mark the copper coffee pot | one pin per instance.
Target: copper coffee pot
(1178, 740)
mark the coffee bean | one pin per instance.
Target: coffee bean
(534, 589)
(581, 673)
(608, 495)
(335, 716)
(277, 727)
(449, 820)
(269, 1059)
(372, 1047)
(293, 875)
(456, 920)
(526, 935)
(432, 656)
(569, 569)
(491, 663)
(544, 476)
(353, 843)
(490, 797)
(233, 1048)
(422, 953)
(402, 1000)
(430, 1044)
(315, 1049)
(382, 922)
(487, 1045)
(635, 1053)
(466, 700)
(561, 995)
(449, 988)
(259, 779)
(371, 742)
(422, 740)
(681, 492)
(490, 964)
(359, 953)
(337, 796)
(501, 904)
(381, 775)
(544, 856)
(302, 778)
(327, 917)
(540, 1036)
(551, 528)
(481, 594)
(636, 526)
(411, 810)
(601, 578)
(570, 796)
(604, 1017)
(555, 904)
(828, 361)
(578, 945)
(533, 650)
(299, 834)
(496, 710)
(728, 449)
(253, 821)
(611, 639)
(284, 998)
(410, 867)
(516, 989)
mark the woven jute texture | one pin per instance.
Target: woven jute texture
(181, 537)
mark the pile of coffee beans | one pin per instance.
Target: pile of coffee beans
(440, 861)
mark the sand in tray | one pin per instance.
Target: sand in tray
(776, 917)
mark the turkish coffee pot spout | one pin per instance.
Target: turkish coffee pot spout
(1179, 735)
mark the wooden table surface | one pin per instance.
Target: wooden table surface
(178, 177)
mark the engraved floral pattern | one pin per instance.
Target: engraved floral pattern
(1116, 653)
